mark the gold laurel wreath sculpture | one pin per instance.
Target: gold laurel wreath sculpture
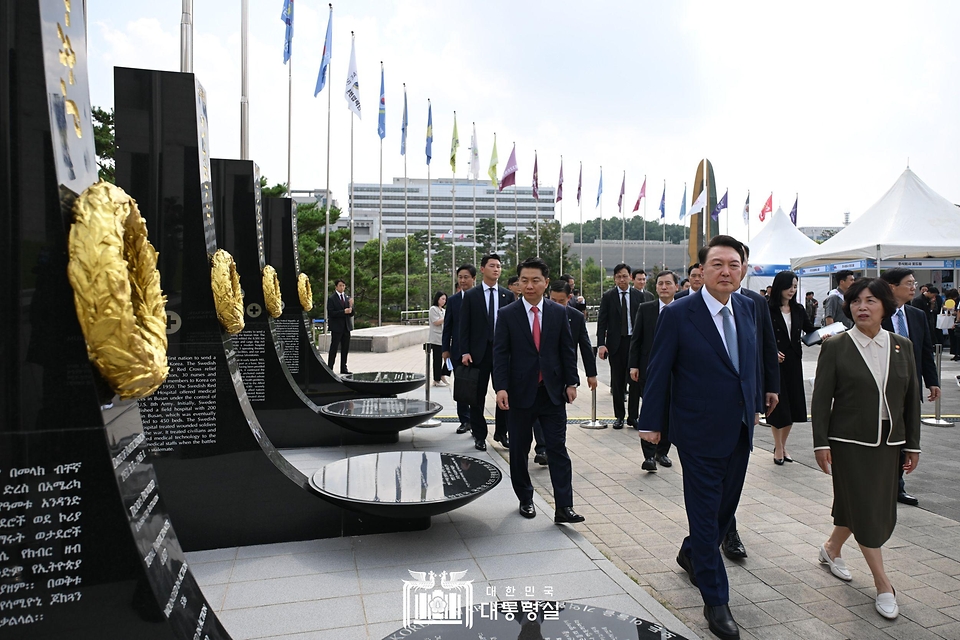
(227, 294)
(271, 292)
(305, 291)
(116, 290)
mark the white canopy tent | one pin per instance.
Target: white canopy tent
(910, 221)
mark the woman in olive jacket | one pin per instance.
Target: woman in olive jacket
(866, 407)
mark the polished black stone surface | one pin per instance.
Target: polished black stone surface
(411, 484)
(381, 415)
(384, 383)
(88, 549)
(520, 619)
(224, 481)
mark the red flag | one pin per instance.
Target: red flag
(560, 183)
(643, 194)
(509, 178)
(767, 208)
(623, 190)
(536, 181)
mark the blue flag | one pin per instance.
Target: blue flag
(793, 212)
(683, 204)
(600, 187)
(663, 203)
(403, 125)
(720, 206)
(325, 59)
(382, 120)
(287, 17)
(429, 132)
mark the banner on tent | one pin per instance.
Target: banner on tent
(918, 264)
(855, 265)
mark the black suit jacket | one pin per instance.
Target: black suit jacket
(919, 330)
(517, 363)
(681, 293)
(790, 344)
(641, 344)
(578, 328)
(646, 296)
(766, 342)
(340, 322)
(608, 320)
(450, 339)
(474, 331)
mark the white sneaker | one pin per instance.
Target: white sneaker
(887, 605)
(837, 566)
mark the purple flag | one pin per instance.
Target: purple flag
(509, 178)
(720, 206)
(793, 212)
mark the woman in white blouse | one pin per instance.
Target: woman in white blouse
(434, 338)
(866, 407)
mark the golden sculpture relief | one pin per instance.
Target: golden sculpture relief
(271, 292)
(305, 292)
(227, 294)
(116, 290)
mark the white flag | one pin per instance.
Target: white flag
(352, 93)
(698, 204)
(474, 155)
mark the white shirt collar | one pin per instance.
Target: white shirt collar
(662, 305)
(527, 305)
(880, 339)
(714, 305)
(487, 287)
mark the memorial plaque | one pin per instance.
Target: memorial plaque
(406, 483)
(87, 546)
(384, 383)
(224, 481)
(527, 620)
(381, 415)
(288, 417)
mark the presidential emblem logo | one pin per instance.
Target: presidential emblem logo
(425, 602)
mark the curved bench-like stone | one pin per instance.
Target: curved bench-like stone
(380, 415)
(383, 383)
(405, 484)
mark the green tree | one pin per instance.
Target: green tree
(276, 191)
(104, 142)
(484, 237)
(549, 249)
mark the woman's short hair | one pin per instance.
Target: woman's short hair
(436, 298)
(878, 288)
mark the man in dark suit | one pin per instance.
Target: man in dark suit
(481, 309)
(535, 375)
(450, 339)
(618, 308)
(340, 314)
(640, 284)
(695, 275)
(641, 344)
(702, 378)
(911, 322)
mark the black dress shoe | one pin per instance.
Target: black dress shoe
(733, 547)
(567, 514)
(527, 510)
(618, 423)
(540, 458)
(687, 565)
(503, 440)
(344, 372)
(787, 458)
(463, 428)
(479, 444)
(664, 461)
(632, 422)
(721, 622)
(649, 465)
(906, 498)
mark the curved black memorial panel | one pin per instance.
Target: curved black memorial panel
(383, 383)
(381, 415)
(428, 606)
(405, 484)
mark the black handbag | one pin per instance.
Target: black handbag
(465, 383)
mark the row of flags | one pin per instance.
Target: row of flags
(509, 177)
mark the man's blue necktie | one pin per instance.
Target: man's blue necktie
(901, 324)
(730, 337)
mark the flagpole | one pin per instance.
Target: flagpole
(580, 203)
(727, 220)
(474, 159)
(684, 222)
(645, 221)
(560, 220)
(453, 216)
(663, 227)
(244, 101)
(289, 118)
(496, 223)
(326, 240)
(602, 273)
(516, 215)
(536, 207)
(352, 205)
(623, 220)
(380, 242)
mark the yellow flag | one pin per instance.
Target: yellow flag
(454, 143)
(492, 172)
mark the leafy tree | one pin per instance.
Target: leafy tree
(549, 249)
(276, 191)
(613, 229)
(484, 237)
(105, 145)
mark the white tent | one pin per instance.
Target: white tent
(910, 221)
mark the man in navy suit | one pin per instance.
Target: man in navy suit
(340, 313)
(481, 311)
(535, 375)
(910, 322)
(702, 378)
(450, 339)
(695, 275)
(618, 308)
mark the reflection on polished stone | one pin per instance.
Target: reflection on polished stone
(383, 382)
(380, 415)
(405, 484)
(524, 620)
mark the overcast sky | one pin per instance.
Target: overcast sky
(828, 100)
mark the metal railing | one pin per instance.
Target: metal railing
(417, 316)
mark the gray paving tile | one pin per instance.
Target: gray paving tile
(411, 555)
(209, 573)
(814, 629)
(390, 579)
(287, 548)
(343, 633)
(214, 594)
(258, 593)
(541, 540)
(534, 563)
(211, 555)
(293, 565)
(300, 617)
(565, 586)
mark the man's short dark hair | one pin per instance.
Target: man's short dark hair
(746, 251)
(338, 281)
(722, 241)
(560, 286)
(667, 272)
(895, 276)
(809, 293)
(933, 289)
(469, 267)
(535, 262)
(620, 267)
(487, 258)
(880, 290)
(843, 275)
(695, 265)
(637, 272)
(513, 280)
(567, 278)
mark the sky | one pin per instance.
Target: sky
(828, 100)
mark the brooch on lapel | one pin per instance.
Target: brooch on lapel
(896, 348)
